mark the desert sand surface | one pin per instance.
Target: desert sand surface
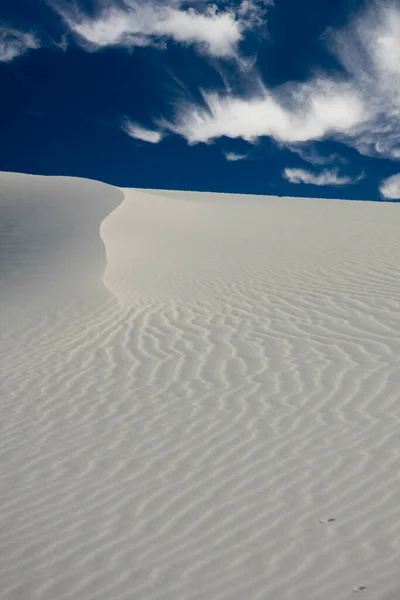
(200, 395)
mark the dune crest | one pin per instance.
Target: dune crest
(202, 399)
(50, 249)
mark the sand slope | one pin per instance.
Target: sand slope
(200, 395)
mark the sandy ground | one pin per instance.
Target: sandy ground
(200, 395)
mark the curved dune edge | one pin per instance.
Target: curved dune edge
(227, 429)
(51, 250)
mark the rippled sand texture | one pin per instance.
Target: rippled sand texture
(200, 395)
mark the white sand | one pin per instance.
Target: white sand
(220, 418)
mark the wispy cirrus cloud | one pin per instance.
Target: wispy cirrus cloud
(360, 106)
(369, 50)
(295, 113)
(136, 131)
(253, 13)
(130, 23)
(325, 177)
(15, 43)
(390, 187)
(308, 153)
(233, 156)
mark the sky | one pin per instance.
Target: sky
(277, 97)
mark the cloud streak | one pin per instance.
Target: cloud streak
(326, 177)
(233, 156)
(136, 131)
(145, 23)
(310, 155)
(390, 187)
(295, 114)
(14, 43)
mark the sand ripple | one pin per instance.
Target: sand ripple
(225, 424)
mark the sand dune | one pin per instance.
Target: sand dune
(200, 395)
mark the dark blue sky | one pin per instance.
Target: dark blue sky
(289, 98)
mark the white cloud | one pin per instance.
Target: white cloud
(360, 107)
(233, 156)
(139, 23)
(253, 13)
(326, 177)
(299, 113)
(219, 33)
(309, 154)
(14, 43)
(369, 49)
(141, 133)
(390, 187)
